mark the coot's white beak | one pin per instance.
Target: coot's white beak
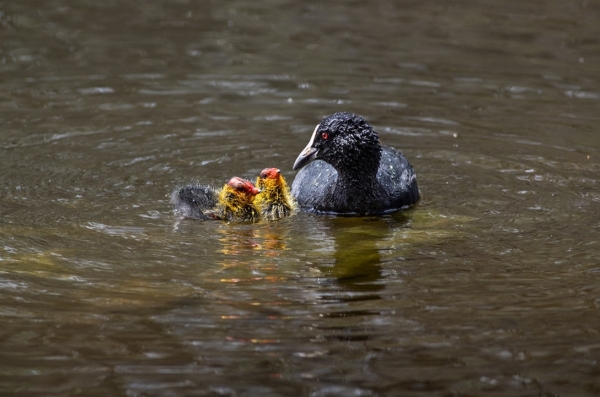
(308, 154)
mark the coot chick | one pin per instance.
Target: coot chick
(274, 200)
(234, 202)
(357, 175)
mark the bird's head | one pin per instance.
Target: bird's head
(242, 186)
(340, 139)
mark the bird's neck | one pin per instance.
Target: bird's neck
(357, 185)
(359, 166)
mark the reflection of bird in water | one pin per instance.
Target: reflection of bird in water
(349, 252)
(357, 265)
(274, 200)
(243, 242)
(234, 202)
(357, 175)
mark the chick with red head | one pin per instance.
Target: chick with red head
(274, 200)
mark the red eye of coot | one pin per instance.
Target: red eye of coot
(324, 135)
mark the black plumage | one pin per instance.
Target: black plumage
(356, 174)
(195, 201)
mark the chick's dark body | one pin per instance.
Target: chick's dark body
(356, 174)
(195, 201)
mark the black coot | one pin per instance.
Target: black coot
(357, 175)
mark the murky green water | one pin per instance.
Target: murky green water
(491, 286)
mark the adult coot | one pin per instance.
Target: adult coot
(357, 175)
(234, 202)
(274, 199)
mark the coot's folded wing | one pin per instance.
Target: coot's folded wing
(398, 178)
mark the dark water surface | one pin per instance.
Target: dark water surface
(491, 286)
